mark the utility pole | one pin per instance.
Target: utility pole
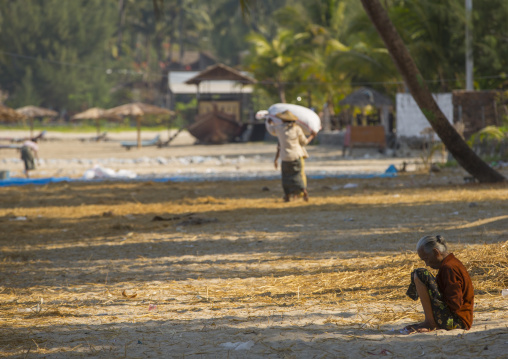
(469, 46)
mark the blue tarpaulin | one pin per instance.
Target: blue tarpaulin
(36, 181)
(189, 178)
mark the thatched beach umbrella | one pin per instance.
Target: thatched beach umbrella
(32, 112)
(8, 114)
(137, 110)
(365, 97)
(97, 114)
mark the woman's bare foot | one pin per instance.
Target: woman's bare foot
(419, 328)
(305, 196)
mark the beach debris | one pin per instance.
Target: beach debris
(19, 218)
(152, 307)
(25, 310)
(122, 226)
(391, 169)
(349, 219)
(469, 179)
(435, 168)
(504, 293)
(103, 172)
(350, 185)
(130, 296)
(197, 221)
(161, 160)
(238, 345)
(403, 167)
(382, 352)
(160, 218)
(143, 159)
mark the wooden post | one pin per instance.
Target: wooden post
(138, 124)
(31, 127)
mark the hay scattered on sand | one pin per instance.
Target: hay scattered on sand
(342, 261)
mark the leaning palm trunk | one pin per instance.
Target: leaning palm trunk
(464, 155)
(282, 91)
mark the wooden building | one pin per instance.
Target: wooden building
(223, 95)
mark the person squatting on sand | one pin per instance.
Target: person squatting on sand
(29, 152)
(448, 298)
(290, 148)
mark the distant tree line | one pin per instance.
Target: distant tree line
(72, 55)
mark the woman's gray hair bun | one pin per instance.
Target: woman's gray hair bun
(428, 243)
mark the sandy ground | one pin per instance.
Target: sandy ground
(65, 155)
(231, 271)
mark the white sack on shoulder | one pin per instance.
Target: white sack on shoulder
(307, 119)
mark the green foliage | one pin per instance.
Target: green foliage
(50, 51)
(343, 50)
(232, 23)
(448, 164)
(488, 134)
(434, 31)
(276, 61)
(429, 153)
(26, 91)
(319, 50)
(77, 54)
(491, 143)
(185, 113)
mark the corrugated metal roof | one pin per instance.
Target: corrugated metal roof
(176, 82)
(220, 72)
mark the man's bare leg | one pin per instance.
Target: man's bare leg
(429, 323)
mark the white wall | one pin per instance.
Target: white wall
(410, 119)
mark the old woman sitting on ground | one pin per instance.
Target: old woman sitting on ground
(448, 298)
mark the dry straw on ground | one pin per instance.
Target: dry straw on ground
(87, 270)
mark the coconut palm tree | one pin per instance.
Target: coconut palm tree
(321, 49)
(275, 61)
(464, 155)
(434, 33)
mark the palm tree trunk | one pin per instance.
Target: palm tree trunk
(180, 32)
(464, 155)
(282, 91)
(121, 14)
